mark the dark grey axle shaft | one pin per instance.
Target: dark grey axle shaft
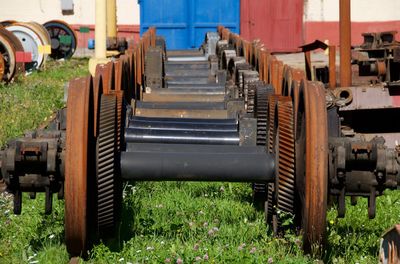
(183, 126)
(165, 162)
(209, 121)
(181, 136)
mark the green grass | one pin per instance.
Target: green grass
(194, 222)
(31, 100)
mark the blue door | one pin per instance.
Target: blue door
(184, 23)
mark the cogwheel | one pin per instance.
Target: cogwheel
(106, 158)
(285, 183)
(261, 114)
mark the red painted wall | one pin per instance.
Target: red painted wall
(277, 23)
(330, 30)
(127, 31)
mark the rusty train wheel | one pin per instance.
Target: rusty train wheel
(5, 23)
(77, 166)
(1, 66)
(311, 165)
(63, 39)
(19, 67)
(7, 51)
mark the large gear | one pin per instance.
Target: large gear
(106, 155)
(285, 182)
(261, 113)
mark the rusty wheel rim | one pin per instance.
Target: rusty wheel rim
(17, 46)
(9, 58)
(76, 165)
(1, 66)
(311, 168)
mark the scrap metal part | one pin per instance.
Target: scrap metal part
(389, 252)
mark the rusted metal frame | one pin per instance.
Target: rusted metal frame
(307, 58)
(332, 67)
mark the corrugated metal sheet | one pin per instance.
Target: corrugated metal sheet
(278, 23)
(184, 22)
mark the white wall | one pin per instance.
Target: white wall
(361, 10)
(45, 10)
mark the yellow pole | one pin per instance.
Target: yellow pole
(101, 29)
(100, 36)
(111, 19)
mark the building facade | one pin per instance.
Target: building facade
(292, 22)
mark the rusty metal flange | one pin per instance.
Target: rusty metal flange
(78, 165)
(311, 168)
(2, 67)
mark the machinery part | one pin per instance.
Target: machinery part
(285, 179)
(8, 57)
(389, 252)
(261, 114)
(231, 122)
(9, 46)
(311, 168)
(31, 42)
(2, 67)
(107, 178)
(270, 208)
(345, 43)
(63, 39)
(43, 35)
(78, 166)
(20, 65)
(31, 164)
(154, 71)
(183, 125)
(344, 96)
(361, 168)
(180, 136)
(5, 23)
(250, 79)
(161, 162)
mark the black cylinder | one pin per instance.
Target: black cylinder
(181, 136)
(211, 163)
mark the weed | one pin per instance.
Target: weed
(167, 222)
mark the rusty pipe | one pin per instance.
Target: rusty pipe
(332, 67)
(345, 43)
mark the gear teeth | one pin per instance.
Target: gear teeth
(106, 158)
(261, 112)
(262, 93)
(285, 188)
